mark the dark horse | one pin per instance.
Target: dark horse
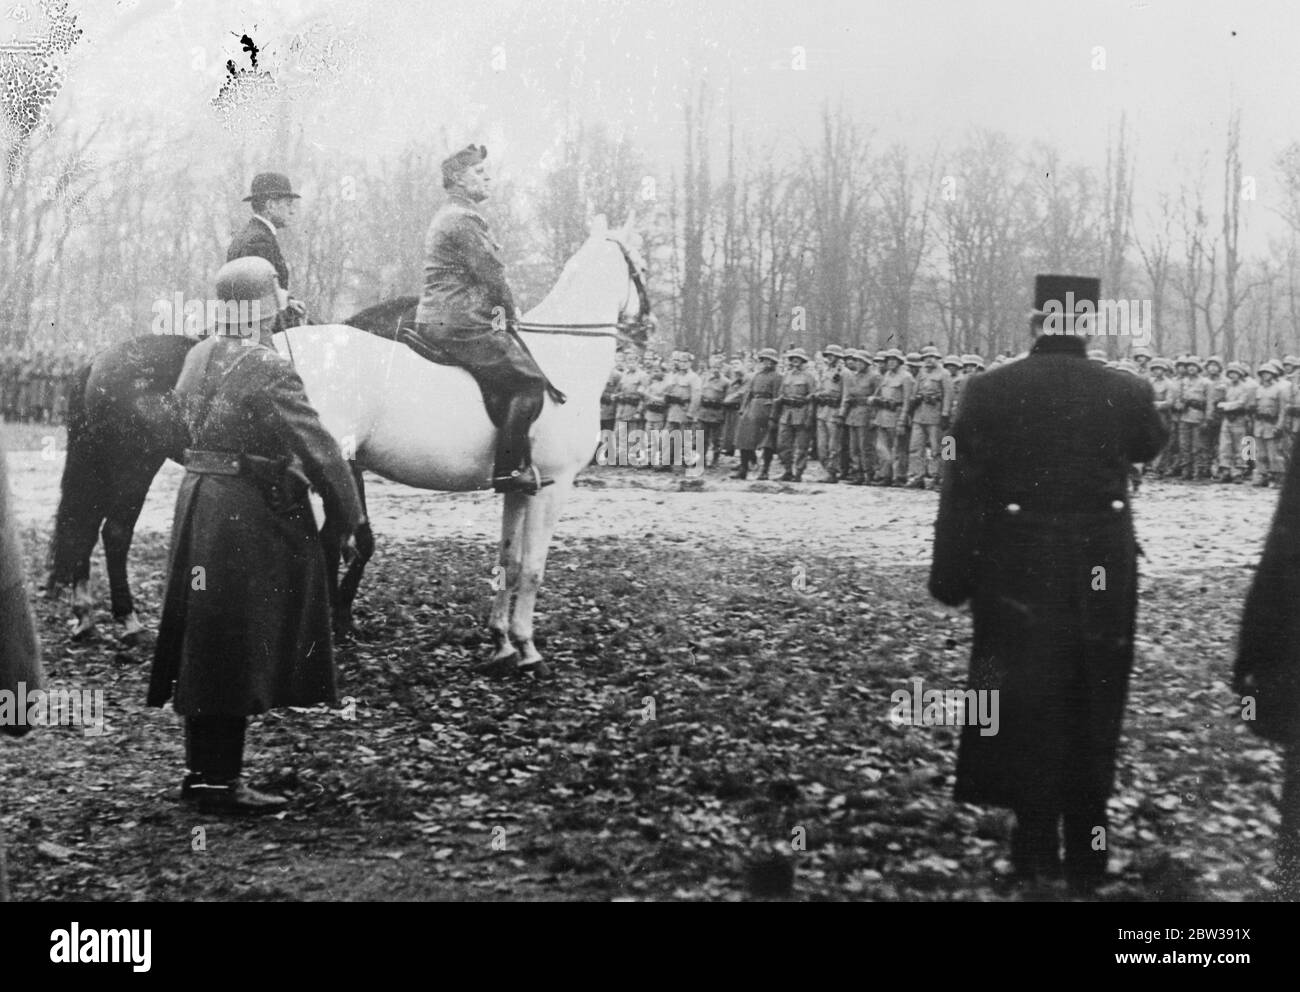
(123, 423)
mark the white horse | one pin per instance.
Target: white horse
(425, 425)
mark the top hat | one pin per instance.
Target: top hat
(1062, 299)
(269, 186)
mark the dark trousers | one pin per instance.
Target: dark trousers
(1036, 844)
(214, 746)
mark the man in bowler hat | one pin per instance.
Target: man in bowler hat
(274, 205)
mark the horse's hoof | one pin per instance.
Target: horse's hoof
(497, 668)
(538, 670)
(82, 632)
(132, 639)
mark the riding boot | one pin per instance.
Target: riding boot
(513, 471)
(767, 464)
(746, 459)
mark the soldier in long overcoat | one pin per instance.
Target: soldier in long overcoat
(1034, 528)
(246, 614)
(756, 429)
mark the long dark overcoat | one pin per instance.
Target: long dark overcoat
(755, 429)
(20, 655)
(258, 239)
(246, 619)
(1029, 532)
(1269, 644)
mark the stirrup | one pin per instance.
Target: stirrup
(528, 481)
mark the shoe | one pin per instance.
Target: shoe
(787, 477)
(740, 474)
(232, 797)
(917, 483)
(798, 477)
(528, 481)
(762, 477)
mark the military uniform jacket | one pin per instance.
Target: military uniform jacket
(1193, 399)
(607, 402)
(627, 398)
(795, 399)
(1238, 398)
(1216, 390)
(258, 238)
(859, 387)
(654, 401)
(1165, 393)
(932, 397)
(1043, 450)
(1270, 407)
(464, 278)
(713, 391)
(246, 614)
(830, 393)
(894, 393)
(682, 391)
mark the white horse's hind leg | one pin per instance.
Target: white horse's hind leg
(539, 525)
(513, 515)
(83, 608)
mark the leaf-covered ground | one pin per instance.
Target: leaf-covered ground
(706, 715)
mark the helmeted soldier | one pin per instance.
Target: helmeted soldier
(860, 383)
(830, 422)
(1142, 356)
(1193, 402)
(627, 397)
(1216, 389)
(274, 205)
(756, 415)
(713, 390)
(1235, 407)
(795, 415)
(1163, 389)
(246, 614)
(930, 408)
(467, 312)
(732, 400)
(608, 401)
(1271, 399)
(682, 388)
(893, 394)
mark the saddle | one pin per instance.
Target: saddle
(493, 401)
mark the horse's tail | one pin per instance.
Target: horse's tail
(83, 490)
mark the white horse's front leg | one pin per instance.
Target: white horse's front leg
(543, 514)
(506, 579)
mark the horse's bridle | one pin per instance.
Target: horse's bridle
(621, 329)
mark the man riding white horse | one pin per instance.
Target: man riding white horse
(467, 314)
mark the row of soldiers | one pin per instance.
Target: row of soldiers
(35, 382)
(868, 418)
(1223, 418)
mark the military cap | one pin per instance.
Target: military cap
(1160, 363)
(1097, 355)
(1214, 360)
(952, 360)
(797, 353)
(1268, 366)
(270, 186)
(930, 351)
(454, 165)
(769, 354)
(833, 349)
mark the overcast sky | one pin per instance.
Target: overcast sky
(921, 72)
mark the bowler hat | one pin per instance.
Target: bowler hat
(269, 186)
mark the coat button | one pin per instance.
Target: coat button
(1117, 505)
(1013, 507)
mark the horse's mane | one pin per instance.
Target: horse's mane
(383, 319)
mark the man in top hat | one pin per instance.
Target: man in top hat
(1034, 529)
(930, 408)
(467, 312)
(274, 205)
(246, 613)
(830, 421)
(795, 415)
